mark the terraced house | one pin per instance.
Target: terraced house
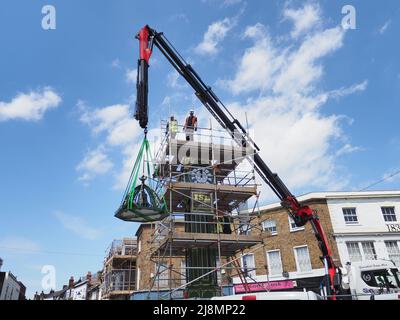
(359, 226)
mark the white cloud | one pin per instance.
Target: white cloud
(215, 33)
(131, 75)
(284, 102)
(347, 149)
(303, 19)
(116, 121)
(385, 26)
(78, 226)
(265, 66)
(95, 163)
(118, 129)
(301, 69)
(30, 106)
(253, 72)
(18, 244)
(350, 90)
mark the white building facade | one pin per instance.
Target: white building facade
(9, 286)
(366, 225)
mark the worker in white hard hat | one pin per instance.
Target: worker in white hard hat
(190, 125)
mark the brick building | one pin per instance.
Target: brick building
(290, 256)
(119, 270)
(359, 226)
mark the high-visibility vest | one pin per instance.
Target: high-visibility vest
(173, 126)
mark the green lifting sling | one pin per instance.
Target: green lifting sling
(140, 202)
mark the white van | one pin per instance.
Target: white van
(372, 280)
(287, 295)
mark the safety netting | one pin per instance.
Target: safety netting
(143, 200)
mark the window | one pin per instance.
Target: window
(270, 226)
(368, 250)
(354, 251)
(388, 214)
(293, 226)
(244, 229)
(274, 262)
(248, 265)
(393, 251)
(302, 259)
(350, 215)
(183, 272)
(162, 274)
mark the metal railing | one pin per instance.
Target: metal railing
(125, 247)
(119, 280)
(209, 223)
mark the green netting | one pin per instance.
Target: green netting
(141, 202)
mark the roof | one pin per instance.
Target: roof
(338, 195)
(80, 283)
(141, 226)
(52, 294)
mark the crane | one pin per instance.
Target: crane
(301, 214)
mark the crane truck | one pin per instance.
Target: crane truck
(362, 280)
(301, 214)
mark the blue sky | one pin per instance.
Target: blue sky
(323, 103)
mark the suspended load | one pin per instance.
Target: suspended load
(141, 201)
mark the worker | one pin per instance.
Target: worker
(218, 172)
(172, 127)
(190, 125)
(187, 168)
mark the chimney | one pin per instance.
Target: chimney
(89, 277)
(71, 282)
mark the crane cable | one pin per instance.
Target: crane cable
(382, 180)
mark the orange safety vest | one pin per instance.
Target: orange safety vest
(194, 121)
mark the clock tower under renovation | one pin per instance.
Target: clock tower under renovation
(205, 182)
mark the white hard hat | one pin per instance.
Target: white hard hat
(191, 110)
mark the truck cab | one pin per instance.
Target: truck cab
(372, 280)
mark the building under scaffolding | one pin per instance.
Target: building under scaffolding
(205, 182)
(119, 274)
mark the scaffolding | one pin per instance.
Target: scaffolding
(119, 274)
(206, 183)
